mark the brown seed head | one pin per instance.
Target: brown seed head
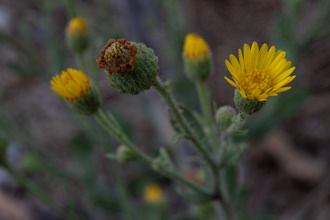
(117, 56)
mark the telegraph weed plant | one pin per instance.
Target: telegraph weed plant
(211, 138)
(132, 67)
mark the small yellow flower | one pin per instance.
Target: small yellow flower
(195, 47)
(77, 25)
(153, 194)
(72, 84)
(259, 73)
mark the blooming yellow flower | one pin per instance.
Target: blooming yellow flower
(77, 24)
(72, 84)
(153, 194)
(259, 73)
(195, 47)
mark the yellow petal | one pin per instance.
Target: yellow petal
(231, 82)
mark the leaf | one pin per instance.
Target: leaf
(177, 137)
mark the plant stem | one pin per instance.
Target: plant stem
(112, 127)
(120, 136)
(122, 193)
(173, 106)
(35, 190)
(80, 61)
(72, 8)
(204, 99)
(191, 185)
(228, 210)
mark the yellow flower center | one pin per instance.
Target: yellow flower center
(77, 24)
(256, 81)
(195, 47)
(71, 84)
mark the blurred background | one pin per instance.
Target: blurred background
(285, 171)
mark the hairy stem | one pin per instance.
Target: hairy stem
(204, 99)
(173, 106)
(112, 127)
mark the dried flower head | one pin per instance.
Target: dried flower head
(259, 73)
(118, 56)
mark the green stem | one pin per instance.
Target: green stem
(35, 190)
(120, 136)
(173, 106)
(192, 185)
(204, 99)
(80, 61)
(72, 8)
(112, 127)
(228, 210)
(123, 194)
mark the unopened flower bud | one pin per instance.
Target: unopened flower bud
(124, 154)
(224, 116)
(131, 67)
(77, 35)
(75, 87)
(197, 58)
(247, 106)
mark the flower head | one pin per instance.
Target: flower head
(77, 35)
(132, 67)
(197, 58)
(195, 47)
(258, 74)
(72, 84)
(77, 24)
(118, 56)
(153, 194)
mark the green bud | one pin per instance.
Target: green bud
(77, 35)
(224, 116)
(125, 154)
(197, 58)
(198, 69)
(132, 67)
(247, 106)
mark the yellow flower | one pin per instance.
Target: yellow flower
(259, 73)
(195, 47)
(153, 194)
(72, 84)
(77, 24)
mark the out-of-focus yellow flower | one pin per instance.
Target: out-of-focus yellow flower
(72, 84)
(77, 24)
(258, 74)
(195, 47)
(197, 58)
(77, 35)
(153, 194)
